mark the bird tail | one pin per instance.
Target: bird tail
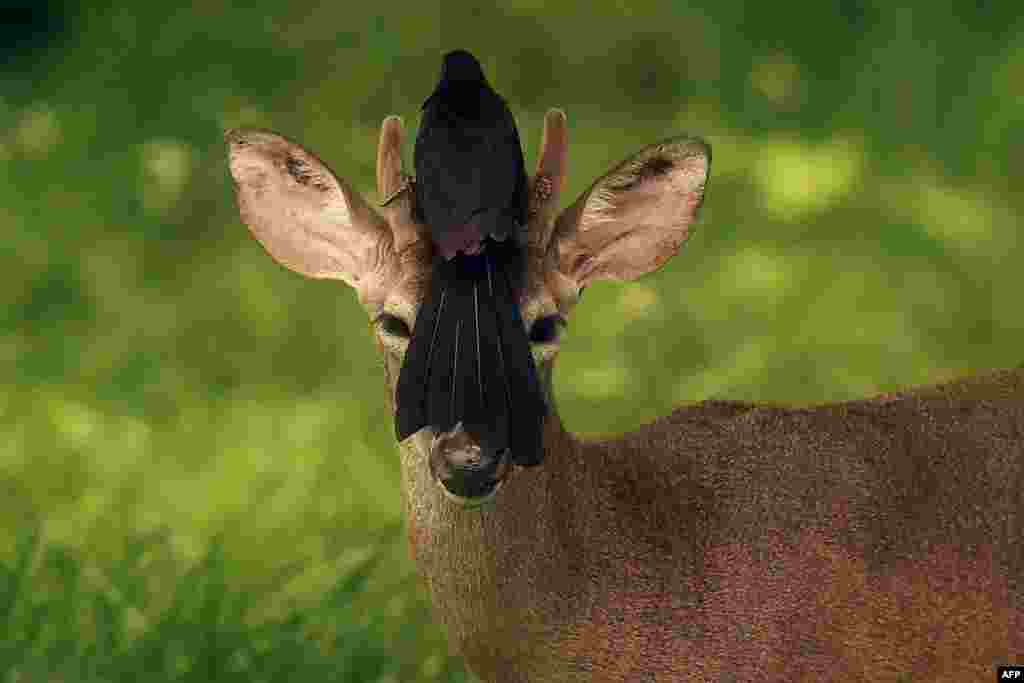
(469, 357)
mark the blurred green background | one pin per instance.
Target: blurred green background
(197, 468)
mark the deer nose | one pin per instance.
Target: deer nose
(465, 465)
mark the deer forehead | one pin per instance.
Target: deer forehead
(545, 291)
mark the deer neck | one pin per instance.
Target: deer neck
(482, 566)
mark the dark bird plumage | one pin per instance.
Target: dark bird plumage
(469, 357)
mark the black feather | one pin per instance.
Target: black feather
(493, 376)
(410, 393)
(442, 357)
(465, 393)
(527, 405)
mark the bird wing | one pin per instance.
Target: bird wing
(513, 181)
(448, 186)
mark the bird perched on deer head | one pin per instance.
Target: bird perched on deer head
(469, 358)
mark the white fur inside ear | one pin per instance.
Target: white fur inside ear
(636, 216)
(660, 169)
(694, 173)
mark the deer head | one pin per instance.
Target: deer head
(628, 223)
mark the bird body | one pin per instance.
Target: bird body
(471, 179)
(469, 359)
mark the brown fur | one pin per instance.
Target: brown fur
(856, 541)
(873, 540)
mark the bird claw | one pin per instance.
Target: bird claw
(407, 183)
(543, 187)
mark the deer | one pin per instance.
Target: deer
(879, 539)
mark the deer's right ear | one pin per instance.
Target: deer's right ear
(635, 217)
(303, 215)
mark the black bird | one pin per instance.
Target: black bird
(469, 357)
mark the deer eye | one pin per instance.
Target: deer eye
(393, 325)
(545, 330)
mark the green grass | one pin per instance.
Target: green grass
(62, 619)
(199, 438)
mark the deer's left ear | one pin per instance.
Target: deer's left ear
(635, 217)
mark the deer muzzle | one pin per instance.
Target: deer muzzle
(469, 470)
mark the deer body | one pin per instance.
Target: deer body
(844, 542)
(873, 540)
